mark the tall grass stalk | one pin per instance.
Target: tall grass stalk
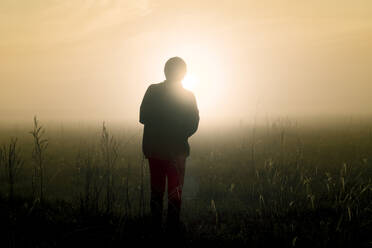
(38, 156)
(109, 153)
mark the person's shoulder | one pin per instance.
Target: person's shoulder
(155, 86)
(189, 94)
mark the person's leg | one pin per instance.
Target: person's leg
(175, 174)
(157, 178)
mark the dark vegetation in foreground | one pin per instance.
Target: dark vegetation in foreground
(279, 184)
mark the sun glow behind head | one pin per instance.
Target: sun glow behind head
(189, 82)
(207, 70)
(205, 77)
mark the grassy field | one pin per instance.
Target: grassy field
(279, 183)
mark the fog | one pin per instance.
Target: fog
(93, 60)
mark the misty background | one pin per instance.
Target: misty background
(93, 60)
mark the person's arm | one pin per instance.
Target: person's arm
(193, 121)
(145, 105)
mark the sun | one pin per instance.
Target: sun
(189, 82)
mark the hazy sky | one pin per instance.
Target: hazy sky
(95, 58)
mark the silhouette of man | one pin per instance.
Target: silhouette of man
(170, 116)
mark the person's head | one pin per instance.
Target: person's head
(175, 69)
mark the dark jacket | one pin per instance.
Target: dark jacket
(170, 115)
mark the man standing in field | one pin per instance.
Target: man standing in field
(170, 116)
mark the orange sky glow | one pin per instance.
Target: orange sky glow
(95, 59)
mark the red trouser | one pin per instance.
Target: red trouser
(174, 171)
